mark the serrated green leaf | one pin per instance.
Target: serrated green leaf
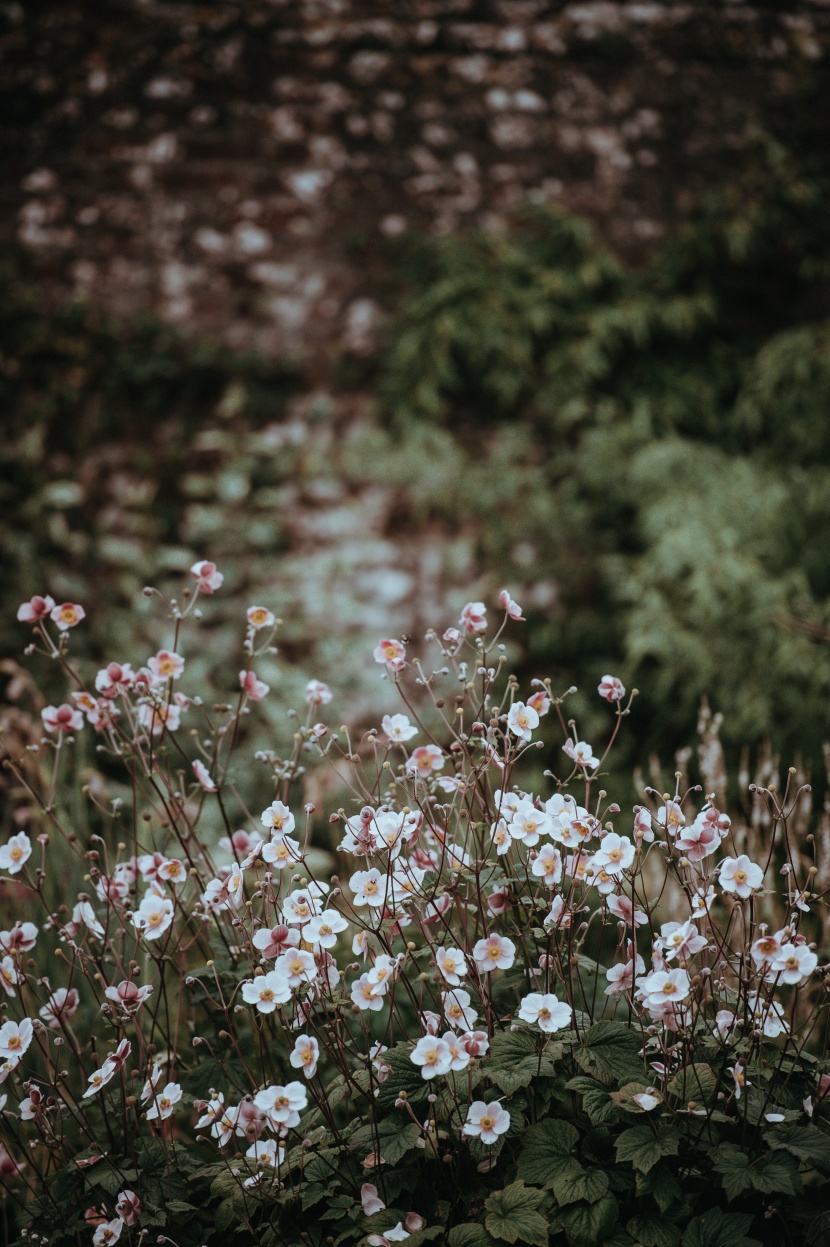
(644, 1148)
(471, 1234)
(733, 1166)
(806, 1143)
(512, 1215)
(547, 1146)
(653, 1231)
(589, 1225)
(596, 1100)
(719, 1229)
(609, 1051)
(697, 1082)
(578, 1183)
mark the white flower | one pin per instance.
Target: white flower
(398, 729)
(366, 994)
(266, 1152)
(521, 720)
(580, 753)
(304, 903)
(664, 987)
(548, 865)
(283, 1105)
(792, 964)
(266, 991)
(305, 1055)
(681, 940)
(322, 931)
(546, 1010)
(496, 952)
(383, 972)
(740, 875)
(486, 1121)
(15, 1039)
(9, 976)
(452, 964)
(107, 1232)
(615, 854)
(153, 916)
(278, 818)
(457, 1009)
(645, 1100)
(15, 853)
(281, 851)
(433, 1055)
(368, 887)
(203, 776)
(459, 1055)
(528, 824)
(297, 965)
(163, 1103)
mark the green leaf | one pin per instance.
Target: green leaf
(609, 1052)
(596, 1100)
(695, 1082)
(312, 1193)
(653, 1231)
(661, 1184)
(806, 1143)
(643, 1148)
(471, 1234)
(733, 1166)
(720, 1229)
(547, 1146)
(588, 1225)
(578, 1183)
(404, 1077)
(394, 1136)
(512, 1215)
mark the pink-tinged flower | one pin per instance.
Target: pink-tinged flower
(15, 1039)
(475, 1043)
(108, 1232)
(642, 824)
(698, 840)
(513, 609)
(486, 1121)
(128, 994)
(165, 665)
(116, 677)
(496, 952)
(128, 1207)
(546, 1011)
(275, 941)
(680, 940)
(458, 1010)
(35, 609)
(793, 963)
(164, 1102)
(22, 937)
(452, 638)
(474, 617)
(548, 865)
(740, 876)
(203, 776)
(398, 729)
(621, 976)
(62, 1003)
(580, 753)
(611, 688)
(498, 902)
(459, 1056)
(207, 578)
(391, 654)
(254, 688)
(297, 965)
(396, 1235)
(63, 718)
(9, 976)
(153, 916)
(83, 915)
(621, 907)
(260, 617)
(521, 720)
(317, 693)
(432, 1055)
(305, 1055)
(370, 1200)
(540, 702)
(67, 615)
(157, 717)
(266, 991)
(426, 760)
(32, 1107)
(15, 853)
(766, 947)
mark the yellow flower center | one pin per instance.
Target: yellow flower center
(266, 994)
(486, 1123)
(740, 876)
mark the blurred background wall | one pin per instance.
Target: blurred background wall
(382, 307)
